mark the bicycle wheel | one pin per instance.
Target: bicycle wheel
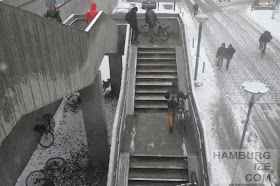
(163, 34)
(194, 180)
(55, 163)
(47, 139)
(37, 178)
(144, 30)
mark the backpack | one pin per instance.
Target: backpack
(173, 100)
(127, 16)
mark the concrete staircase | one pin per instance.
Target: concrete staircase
(157, 170)
(155, 71)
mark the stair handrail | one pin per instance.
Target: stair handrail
(193, 102)
(120, 115)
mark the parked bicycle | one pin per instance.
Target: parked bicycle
(106, 84)
(159, 30)
(45, 128)
(46, 176)
(72, 103)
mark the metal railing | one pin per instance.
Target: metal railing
(197, 119)
(120, 116)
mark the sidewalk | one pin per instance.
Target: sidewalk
(223, 103)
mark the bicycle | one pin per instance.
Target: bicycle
(262, 49)
(72, 103)
(47, 137)
(46, 176)
(182, 114)
(161, 31)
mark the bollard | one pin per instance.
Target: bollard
(203, 67)
(158, 5)
(193, 43)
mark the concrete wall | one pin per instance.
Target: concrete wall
(71, 7)
(16, 2)
(17, 148)
(46, 60)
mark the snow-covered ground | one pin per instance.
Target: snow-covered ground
(70, 140)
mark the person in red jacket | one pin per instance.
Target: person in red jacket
(90, 15)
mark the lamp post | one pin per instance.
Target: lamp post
(254, 91)
(201, 19)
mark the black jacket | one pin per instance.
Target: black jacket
(195, 7)
(151, 17)
(53, 15)
(230, 52)
(179, 93)
(265, 37)
(221, 52)
(132, 18)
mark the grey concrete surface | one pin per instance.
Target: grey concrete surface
(95, 123)
(17, 2)
(68, 8)
(46, 60)
(18, 147)
(151, 136)
(115, 63)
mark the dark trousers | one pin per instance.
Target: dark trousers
(135, 32)
(220, 61)
(228, 61)
(195, 12)
(264, 46)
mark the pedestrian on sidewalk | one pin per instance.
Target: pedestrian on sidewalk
(264, 39)
(195, 9)
(52, 13)
(151, 19)
(229, 55)
(221, 53)
(173, 96)
(131, 18)
(90, 15)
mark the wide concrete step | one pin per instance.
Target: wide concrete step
(156, 59)
(156, 55)
(156, 49)
(158, 162)
(141, 70)
(154, 83)
(157, 52)
(154, 182)
(150, 105)
(156, 76)
(151, 89)
(157, 65)
(154, 173)
(149, 97)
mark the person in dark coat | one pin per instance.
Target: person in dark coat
(132, 20)
(195, 9)
(229, 55)
(221, 54)
(265, 38)
(52, 13)
(151, 19)
(90, 15)
(174, 94)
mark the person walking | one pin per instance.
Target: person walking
(151, 19)
(52, 13)
(90, 15)
(221, 54)
(131, 18)
(195, 9)
(173, 96)
(264, 39)
(229, 55)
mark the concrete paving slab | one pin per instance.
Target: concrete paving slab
(152, 136)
